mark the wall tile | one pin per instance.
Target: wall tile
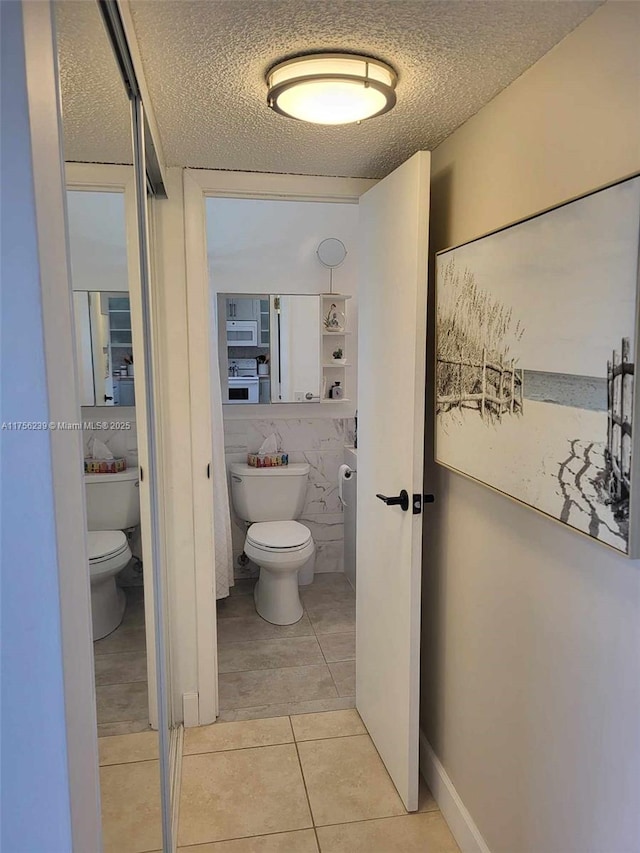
(322, 489)
(121, 442)
(329, 557)
(298, 434)
(235, 436)
(325, 527)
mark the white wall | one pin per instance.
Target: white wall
(266, 246)
(97, 240)
(531, 633)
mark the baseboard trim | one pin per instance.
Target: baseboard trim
(461, 824)
(190, 710)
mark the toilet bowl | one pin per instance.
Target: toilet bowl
(109, 553)
(113, 505)
(279, 548)
(269, 499)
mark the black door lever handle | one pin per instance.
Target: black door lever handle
(401, 500)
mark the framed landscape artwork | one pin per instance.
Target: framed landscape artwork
(537, 336)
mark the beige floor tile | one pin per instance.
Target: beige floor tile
(416, 833)
(426, 800)
(131, 814)
(120, 702)
(123, 728)
(332, 618)
(314, 706)
(272, 686)
(330, 724)
(344, 676)
(251, 733)
(241, 793)
(122, 749)
(347, 781)
(243, 629)
(269, 654)
(120, 668)
(338, 647)
(122, 640)
(302, 841)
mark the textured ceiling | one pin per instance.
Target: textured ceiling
(205, 62)
(95, 107)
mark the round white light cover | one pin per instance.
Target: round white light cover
(328, 89)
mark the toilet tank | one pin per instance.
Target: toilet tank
(113, 500)
(268, 494)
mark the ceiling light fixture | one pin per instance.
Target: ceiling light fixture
(331, 88)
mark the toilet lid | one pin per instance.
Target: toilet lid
(278, 535)
(105, 543)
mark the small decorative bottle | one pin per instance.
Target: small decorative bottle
(336, 392)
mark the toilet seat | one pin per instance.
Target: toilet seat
(107, 549)
(105, 543)
(278, 536)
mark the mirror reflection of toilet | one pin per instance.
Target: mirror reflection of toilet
(270, 499)
(113, 505)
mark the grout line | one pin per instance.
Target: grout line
(239, 748)
(248, 837)
(266, 669)
(383, 817)
(306, 791)
(270, 715)
(116, 683)
(265, 745)
(125, 763)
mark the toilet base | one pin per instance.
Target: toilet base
(276, 597)
(108, 603)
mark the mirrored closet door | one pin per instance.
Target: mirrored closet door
(108, 233)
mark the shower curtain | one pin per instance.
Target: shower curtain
(223, 549)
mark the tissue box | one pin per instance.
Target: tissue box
(267, 460)
(104, 466)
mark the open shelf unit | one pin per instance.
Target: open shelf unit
(333, 372)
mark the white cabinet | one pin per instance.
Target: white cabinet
(243, 308)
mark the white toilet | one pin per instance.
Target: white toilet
(113, 505)
(271, 498)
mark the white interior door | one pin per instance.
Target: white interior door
(394, 220)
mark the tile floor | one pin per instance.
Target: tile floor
(270, 670)
(121, 673)
(312, 783)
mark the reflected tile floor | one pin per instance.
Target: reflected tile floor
(271, 670)
(311, 783)
(120, 662)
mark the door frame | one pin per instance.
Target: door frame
(89, 177)
(200, 184)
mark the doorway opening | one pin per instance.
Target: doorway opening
(278, 359)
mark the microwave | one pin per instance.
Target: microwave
(244, 389)
(242, 333)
